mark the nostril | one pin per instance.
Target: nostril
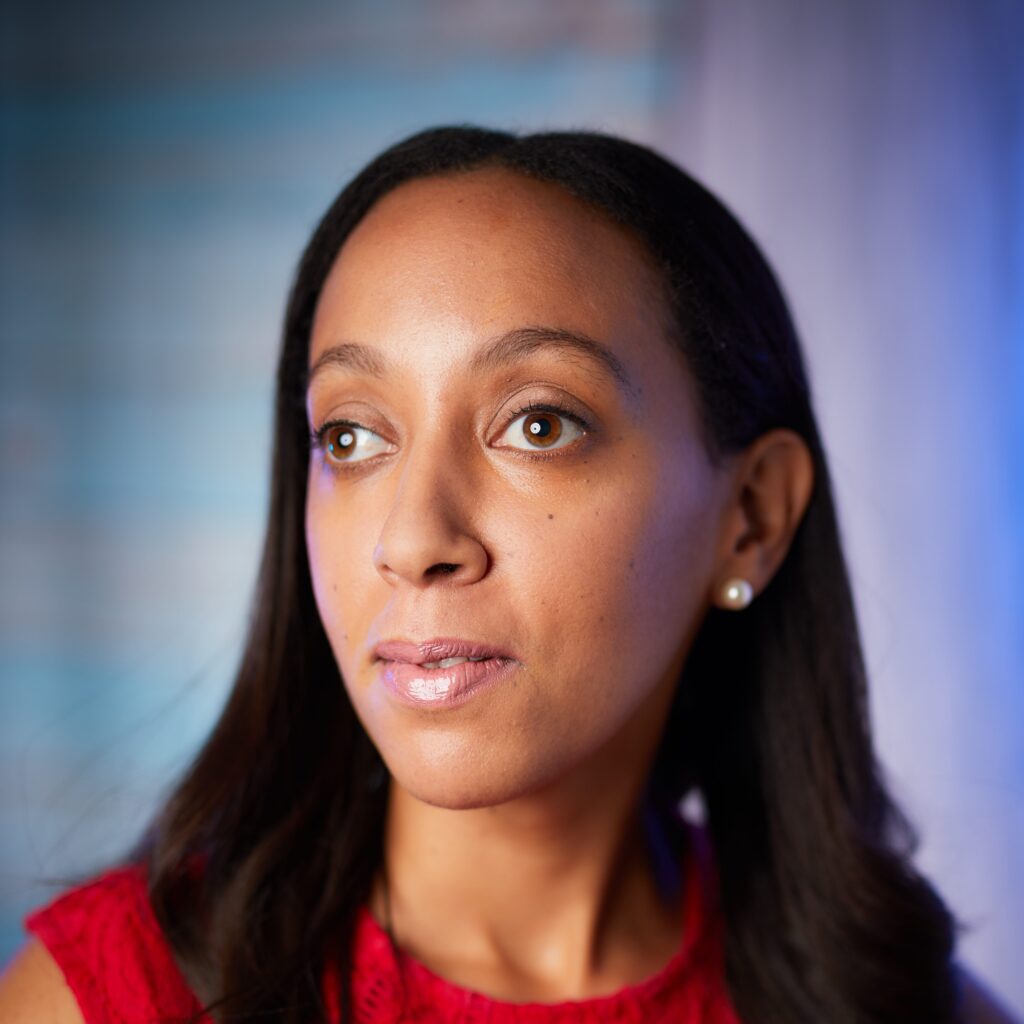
(442, 567)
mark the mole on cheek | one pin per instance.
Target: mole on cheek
(551, 515)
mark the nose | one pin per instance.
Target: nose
(428, 538)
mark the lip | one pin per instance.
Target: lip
(402, 673)
(437, 649)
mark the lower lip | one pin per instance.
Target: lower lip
(419, 687)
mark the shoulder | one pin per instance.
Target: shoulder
(980, 1004)
(33, 989)
(98, 947)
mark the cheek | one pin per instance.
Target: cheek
(341, 571)
(631, 565)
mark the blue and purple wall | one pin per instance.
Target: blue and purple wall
(160, 170)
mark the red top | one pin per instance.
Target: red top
(106, 940)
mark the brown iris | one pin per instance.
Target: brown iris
(542, 428)
(341, 442)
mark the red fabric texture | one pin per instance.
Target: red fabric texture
(104, 937)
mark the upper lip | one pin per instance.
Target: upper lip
(436, 650)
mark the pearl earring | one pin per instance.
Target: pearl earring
(736, 594)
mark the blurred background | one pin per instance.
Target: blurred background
(162, 167)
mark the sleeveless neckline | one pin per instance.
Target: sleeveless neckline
(388, 977)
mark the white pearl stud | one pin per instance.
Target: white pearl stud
(736, 594)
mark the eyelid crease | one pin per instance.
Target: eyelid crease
(552, 407)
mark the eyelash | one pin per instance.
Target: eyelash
(317, 437)
(558, 410)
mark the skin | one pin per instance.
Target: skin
(513, 818)
(594, 562)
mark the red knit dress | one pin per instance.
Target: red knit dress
(106, 940)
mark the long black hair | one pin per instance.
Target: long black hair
(265, 850)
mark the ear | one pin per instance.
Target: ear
(772, 481)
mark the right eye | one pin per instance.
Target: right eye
(345, 443)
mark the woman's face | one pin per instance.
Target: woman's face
(514, 462)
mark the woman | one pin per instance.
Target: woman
(552, 544)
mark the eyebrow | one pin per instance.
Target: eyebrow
(505, 350)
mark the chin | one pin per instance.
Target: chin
(465, 787)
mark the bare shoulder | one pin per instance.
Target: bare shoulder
(981, 1005)
(32, 989)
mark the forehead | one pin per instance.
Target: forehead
(464, 257)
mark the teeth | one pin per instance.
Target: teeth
(448, 662)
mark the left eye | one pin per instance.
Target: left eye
(541, 430)
(345, 442)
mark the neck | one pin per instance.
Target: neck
(554, 893)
